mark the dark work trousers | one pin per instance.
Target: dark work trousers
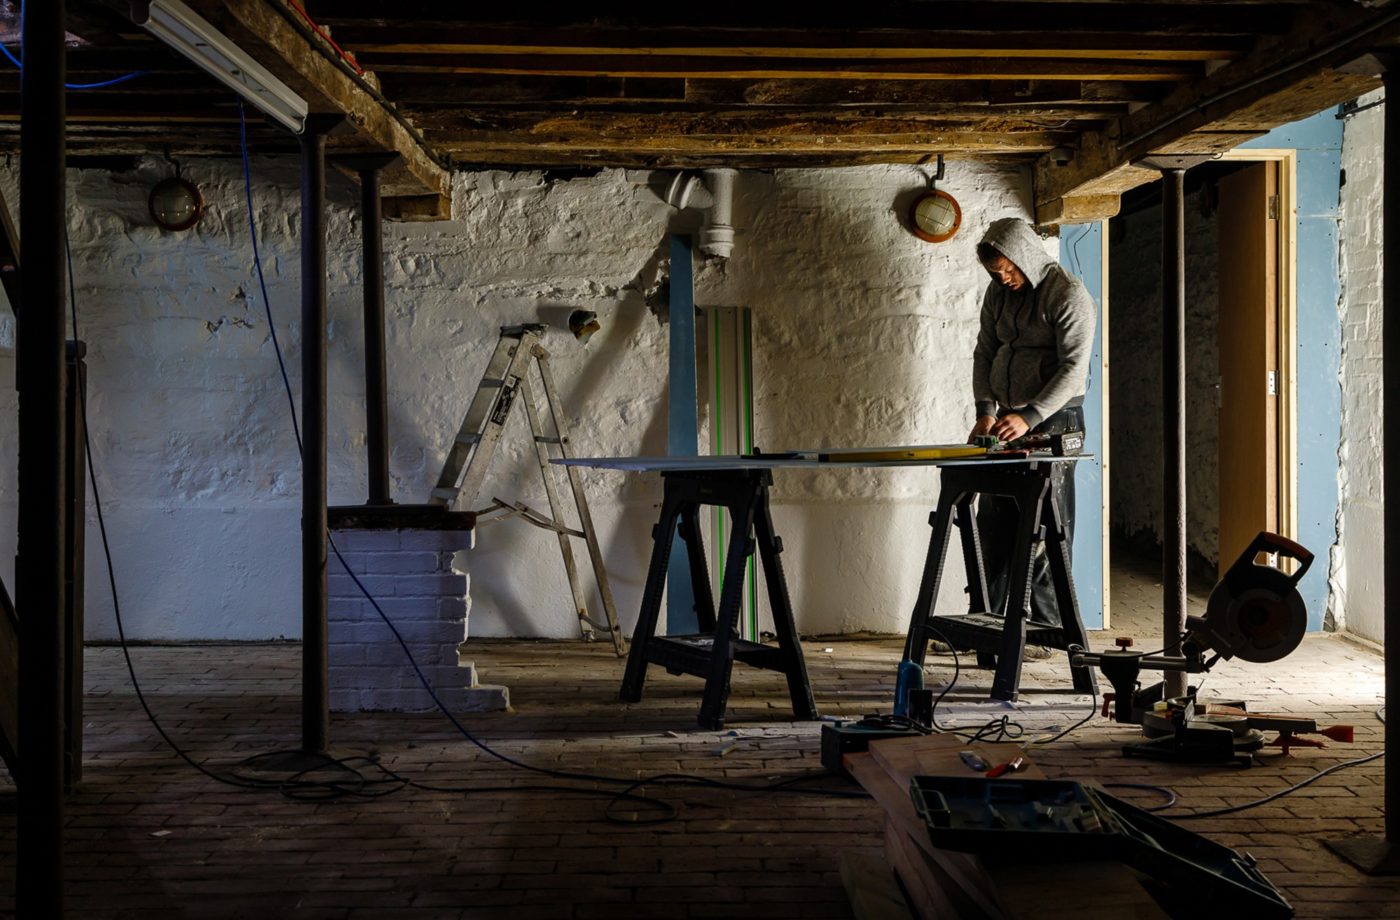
(997, 518)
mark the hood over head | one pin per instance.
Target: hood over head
(1017, 240)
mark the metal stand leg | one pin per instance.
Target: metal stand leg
(770, 549)
(727, 625)
(699, 568)
(966, 519)
(661, 535)
(1007, 682)
(1057, 547)
(916, 645)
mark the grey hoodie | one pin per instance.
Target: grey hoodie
(1032, 353)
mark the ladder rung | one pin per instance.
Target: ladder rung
(467, 438)
(448, 495)
(542, 439)
(497, 382)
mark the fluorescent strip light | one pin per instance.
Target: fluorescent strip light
(191, 35)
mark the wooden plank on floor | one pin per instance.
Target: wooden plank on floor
(958, 876)
(917, 872)
(872, 888)
(1080, 890)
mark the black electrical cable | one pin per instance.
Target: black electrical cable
(1002, 728)
(1148, 787)
(298, 786)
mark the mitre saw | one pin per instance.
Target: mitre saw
(1254, 613)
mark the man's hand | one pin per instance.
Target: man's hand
(1010, 427)
(983, 426)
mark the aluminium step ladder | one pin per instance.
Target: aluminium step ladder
(506, 381)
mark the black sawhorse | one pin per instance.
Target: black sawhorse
(712, 653)
(1000, 640)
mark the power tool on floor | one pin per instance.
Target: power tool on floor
(1254, 613)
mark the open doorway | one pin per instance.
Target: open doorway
(1241, 471)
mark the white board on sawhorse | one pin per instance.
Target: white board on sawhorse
(506, 381)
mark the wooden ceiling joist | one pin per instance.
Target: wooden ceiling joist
(746, 85)
(433, 91)
(1283, 79)
(262, 29)
(355, 22)
(744, 68)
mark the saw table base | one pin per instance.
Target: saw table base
(998, 638)
(711, 655)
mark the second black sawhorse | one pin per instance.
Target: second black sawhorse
(1000, 639)
(712, 653)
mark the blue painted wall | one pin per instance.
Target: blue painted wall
(1318, 141)
(1081, 252)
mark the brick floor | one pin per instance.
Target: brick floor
(150, 838)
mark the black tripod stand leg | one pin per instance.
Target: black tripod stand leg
(1006, 685)
(661, 534)
(973, 562)
(727, 625)
(699, 568)
(770, 549)
(1057, 548)
(916, 644)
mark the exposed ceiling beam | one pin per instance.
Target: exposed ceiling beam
(266, 30)
(744, 68)
(853, 45)
(1283, 79)
(356, 20)
(478, 90)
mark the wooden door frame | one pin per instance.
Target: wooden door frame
(1105, 473)
(1287, 160)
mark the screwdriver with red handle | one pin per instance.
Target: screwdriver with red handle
(1001, 769)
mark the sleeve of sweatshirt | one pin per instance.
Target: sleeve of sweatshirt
(1074, 341)
(982, 356)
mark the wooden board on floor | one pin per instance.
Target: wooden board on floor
(871, 888)
(1080, 890)
(958, 877)
(917, 872)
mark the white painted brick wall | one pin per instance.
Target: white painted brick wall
(411, 576)
(1357, 564)
(863, 334)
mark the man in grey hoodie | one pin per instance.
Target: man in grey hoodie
(1029, 373)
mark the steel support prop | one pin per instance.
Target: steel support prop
(1173, 419)
(41, 380)
(74, 560)
(315, 693)
(368, 167)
